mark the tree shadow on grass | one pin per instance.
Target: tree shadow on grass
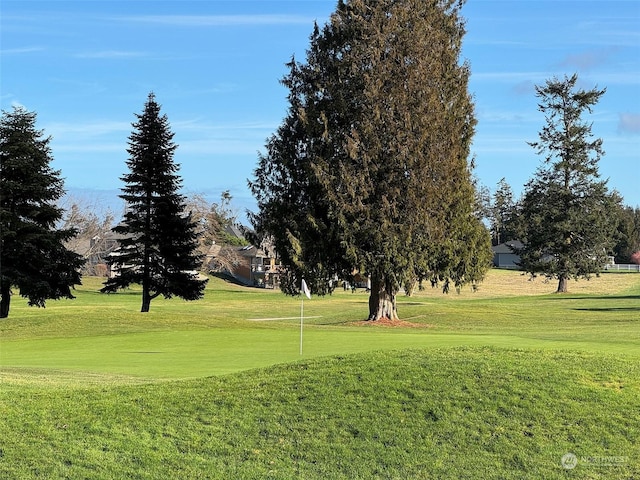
(601, 297)
(609, 309)
(561, 296)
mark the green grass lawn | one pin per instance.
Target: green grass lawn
(500, 383)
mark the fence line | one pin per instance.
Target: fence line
(618, 267)
(623, 267)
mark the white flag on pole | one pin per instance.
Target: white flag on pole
(305, 289)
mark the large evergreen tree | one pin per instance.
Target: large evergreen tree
(159, 244)
(33, 257)
(368, 173)
(568, 215)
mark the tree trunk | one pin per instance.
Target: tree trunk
(562, 285)
(146, 275)
(410, 286)
(5, 299)
(382, 300)
(146, 296)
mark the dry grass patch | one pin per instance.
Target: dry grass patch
(506, 283)
(385, 322)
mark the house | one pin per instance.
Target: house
(258, 267)
(249, 265)
(504, 256)
(96, 251)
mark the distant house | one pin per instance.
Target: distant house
(258, 267)
(504, 256)
(249, 265)
(96, 252)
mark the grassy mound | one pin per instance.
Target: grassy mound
(500, 383)
(420, 413)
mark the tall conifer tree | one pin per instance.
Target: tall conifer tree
(33, 257)
(368, 172)
(159, 241)
(567, 213)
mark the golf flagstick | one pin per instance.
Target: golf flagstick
(306, 291)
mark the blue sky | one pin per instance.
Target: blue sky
(85, 67)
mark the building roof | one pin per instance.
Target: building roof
(235, 231)
(507, 247)
(251, 251)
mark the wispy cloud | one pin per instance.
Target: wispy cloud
(220, 20)
(629, 123)
(496, 42)
(610, 31)
(510, 76)
(199, 137)
(198, 125)
(589, 59)
(107, 54)
(506, 117)
(193, 136)
(500, 145)
(79, 131)
(179, 92)
(618, 78)
(20, 51)
(101, 148)
(525, 87)
(522, 80)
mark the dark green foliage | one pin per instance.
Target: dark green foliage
(158, 244)
(568, 216)
(503, 214)
(368, 172)
(33, 255)
(628, 234)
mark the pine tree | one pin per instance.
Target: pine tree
(159, 241)
(368, 172)
(567, 213)
(503, 211)
(33, 257)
